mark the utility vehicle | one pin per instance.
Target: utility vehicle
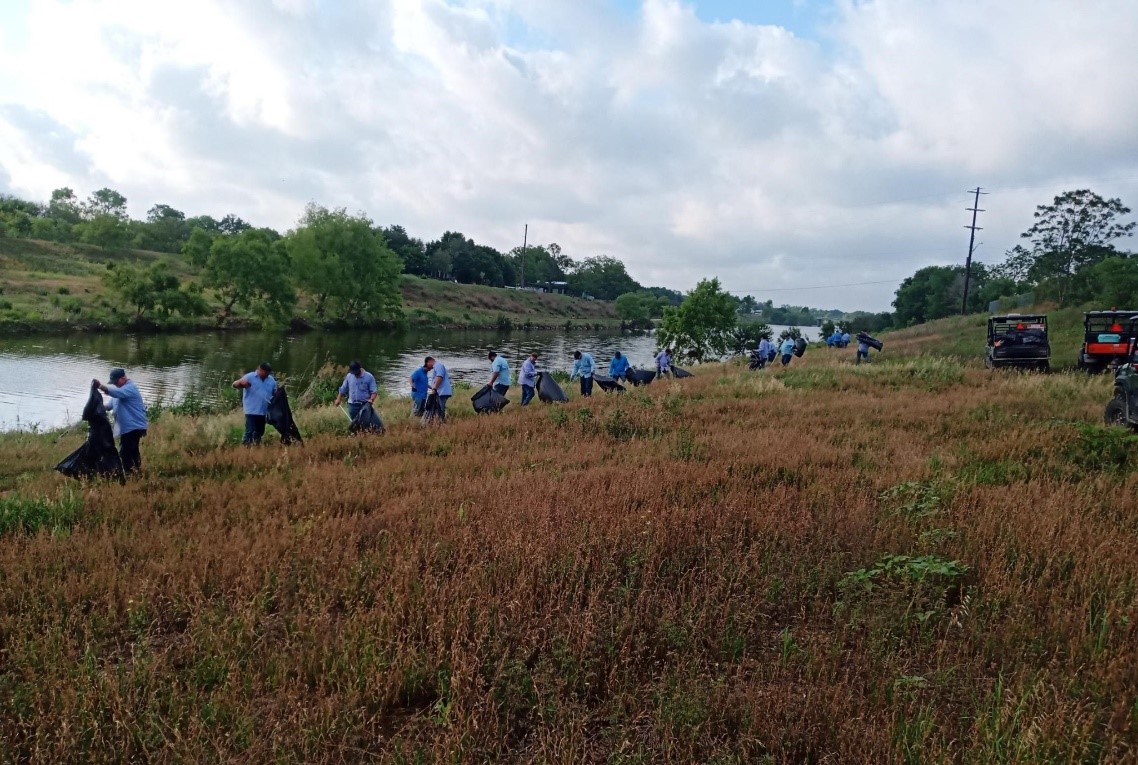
(1107, 338)
(1018, 340)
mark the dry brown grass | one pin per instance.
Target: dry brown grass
(669, 576)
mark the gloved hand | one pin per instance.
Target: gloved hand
(432, 392)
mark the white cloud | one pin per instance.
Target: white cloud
(685, 148)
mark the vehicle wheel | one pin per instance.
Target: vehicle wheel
(1115, 413)
(988, 362)
(1044, 367)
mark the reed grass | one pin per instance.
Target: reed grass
(916, 561)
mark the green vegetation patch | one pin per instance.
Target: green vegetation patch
(25, 515)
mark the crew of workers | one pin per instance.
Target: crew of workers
(431, 387)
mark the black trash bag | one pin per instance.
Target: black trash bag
(97, 457)
(678, 373)
(487, 401)
(548, 390)
(280, 417)
(433, 411)
(608, 384)
(872, 342)
(640, 377)
(367, 420)
(800, 347)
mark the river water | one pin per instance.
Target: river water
(46, 379)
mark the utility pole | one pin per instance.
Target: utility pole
(974, 209)
(525, 241)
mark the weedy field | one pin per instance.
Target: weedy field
(915, 561)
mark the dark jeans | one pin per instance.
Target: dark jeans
(128, 448)
(527, 394)
(417, 405)
(501, 389)
(862, 355)
(785, 359)
(254, 429)
(354, 408)
(443, 406)
(587, 386)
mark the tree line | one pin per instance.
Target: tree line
(1068, 256)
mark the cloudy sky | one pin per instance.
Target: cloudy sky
(805, 151)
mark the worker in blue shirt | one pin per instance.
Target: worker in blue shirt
(618, 367)
(360, 388)
(664, 363)
(499, 373)
(440, 384)
(787, 350)
(528, 378)
(766, 352)
(585, 368)
(258, 388)
(130, 417)
(862, 349)
(419, 382)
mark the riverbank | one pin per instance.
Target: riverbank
(52, 288)
(915, 560)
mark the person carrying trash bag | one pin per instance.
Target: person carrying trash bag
(97, 457)
(664, 363)
(499, 373)
(527, 378)
(618, 367)
(360, 388)
(439, 391)
(787, 350)
(585, 368)
(257, 389)
(419, 379)
(131, 422)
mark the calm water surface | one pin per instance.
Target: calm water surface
(47, 378)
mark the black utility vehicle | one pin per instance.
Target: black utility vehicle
(1018, 340)
(1123, 408)
(1107, 338)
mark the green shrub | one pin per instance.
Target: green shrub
(22, 515)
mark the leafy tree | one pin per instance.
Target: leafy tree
(670, 297)
(411, 251)
(602, 277)
(343, 263)
(543, 264)
(748, 334)
(104, 230)
(1116, 281)
(251, 270)
(105, 202)
(64, 206)
(197, 247)
(1075, 231)
(748, 305)
(154, 289)
(205, 223)
(703, 326)
(52, 230)
(231, 225)
(165, 230)
(828, 328)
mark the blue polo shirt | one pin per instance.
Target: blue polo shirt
(440, 371)
(255, 399)
(419, 384)
(130, 412)
(358, 389)
(502, 367)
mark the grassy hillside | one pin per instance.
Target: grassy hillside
(910, 561)
(964, 337)
(49, 286)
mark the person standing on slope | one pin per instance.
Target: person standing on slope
(499, 373)
(130, 417)
(787, 350)
(664, 363)
(259, 387)
(528, 378)
(360, 388)
(585, 367)
(618, 367)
